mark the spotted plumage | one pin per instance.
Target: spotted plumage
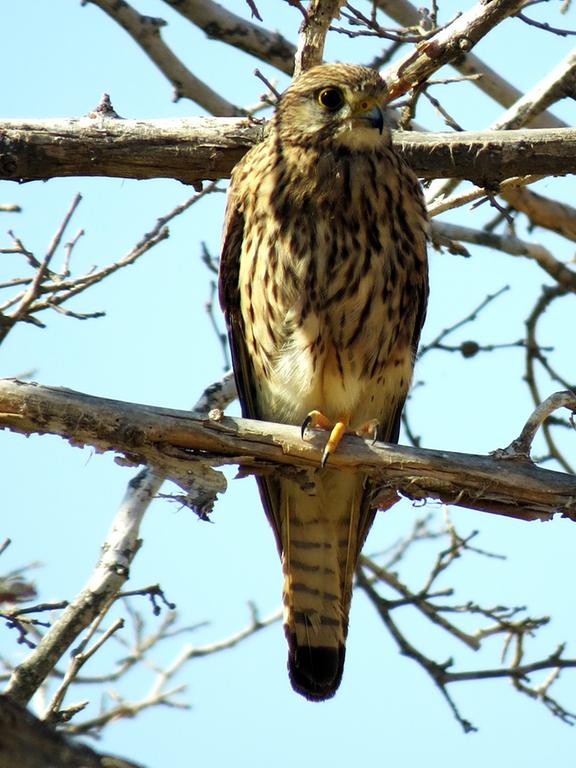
(323, 282)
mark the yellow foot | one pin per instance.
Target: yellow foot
(315, 419)
(369, 429)
(318, 419)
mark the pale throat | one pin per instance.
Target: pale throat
(358, 136)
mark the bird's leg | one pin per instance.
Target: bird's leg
(337, 430)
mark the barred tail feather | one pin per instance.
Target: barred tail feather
(320, 546)
(315, 672)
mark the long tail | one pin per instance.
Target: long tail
(321, 538)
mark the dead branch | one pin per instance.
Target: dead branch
(544, 212)
(181, 445)
(221, 24)
(111, 572)
(54, 713)
(313, 31)
(490, 81)
(502, 620)
(557, 84)
(378, 577)
(536, 360)
(145, 31)
(29, 743)
(564, 276)
(458, 37)
(91, 602)
(193, 149)
(47, 289)
(522, 445)
(522, 112)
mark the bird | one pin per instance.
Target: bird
(323, 283)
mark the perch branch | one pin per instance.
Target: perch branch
(178, 443)
(208, 148)
(110, 574)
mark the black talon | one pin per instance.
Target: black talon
(325, 455)
(305, 424)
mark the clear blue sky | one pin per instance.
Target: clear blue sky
(155, 345)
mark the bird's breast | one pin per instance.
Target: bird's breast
(326, 283)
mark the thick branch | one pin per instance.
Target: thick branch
(490, 81)
(556, 84)
(221, 24)
(208, 148)
(313, 31)
(448, 44)
(29, 743)
(176, 440)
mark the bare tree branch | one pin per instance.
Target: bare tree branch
(544, 212)
(563, 275)
(29, 743)
(93, 600)
(543, 94)
(490, 81)
(313, 31)
(502, 621)
(559, 83)
(221, 24)
(46, 289)
(521, 446)
(207, 148)
(109, 576)
(145, 31)
(536, 359)
(176, 442)
(458, 37)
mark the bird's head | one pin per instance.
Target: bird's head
(338, 104)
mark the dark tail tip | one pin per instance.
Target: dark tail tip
(315, 673)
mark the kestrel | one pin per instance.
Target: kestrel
(323, 283)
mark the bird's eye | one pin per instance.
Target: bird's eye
(331, 99)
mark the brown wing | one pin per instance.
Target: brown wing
(421, 300)
(244, 375)
(229, 294)
(367, 513)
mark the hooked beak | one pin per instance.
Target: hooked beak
(374, 116)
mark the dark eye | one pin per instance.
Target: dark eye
(331, 99)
